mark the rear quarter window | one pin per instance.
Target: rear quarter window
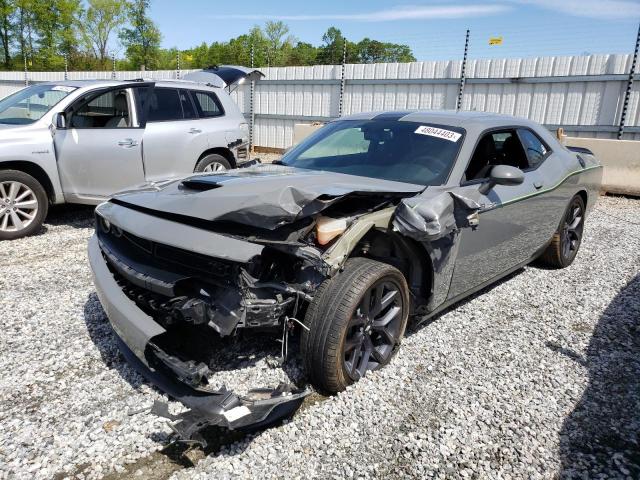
(207, 104)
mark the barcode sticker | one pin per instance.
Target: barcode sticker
(438, 133)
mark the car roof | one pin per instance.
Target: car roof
(469, 120)
(115, 83)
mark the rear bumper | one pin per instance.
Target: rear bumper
(135, 331)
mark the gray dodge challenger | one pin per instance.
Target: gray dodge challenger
(373, 220)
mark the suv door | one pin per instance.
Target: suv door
(507, 233)
(174, 139)
(99, 151)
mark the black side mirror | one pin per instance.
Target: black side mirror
(59, 120)
(502, 175)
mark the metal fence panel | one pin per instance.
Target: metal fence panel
(581, 93)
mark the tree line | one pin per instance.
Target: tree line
(46, 34)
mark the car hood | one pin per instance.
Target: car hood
(265, 196)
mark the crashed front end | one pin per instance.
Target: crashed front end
(151, 286)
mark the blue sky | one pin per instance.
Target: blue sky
(433, 29)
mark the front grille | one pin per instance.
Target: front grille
(165, 257)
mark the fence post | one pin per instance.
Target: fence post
(113, 67)
(342, 79)
(66, 67)
(627, 93)
(178, 65)
(252, 115)
(462, 72)
(26, 73)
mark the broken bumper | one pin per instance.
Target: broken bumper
(135, 330)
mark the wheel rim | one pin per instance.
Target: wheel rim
(18, 206)
(374, 330)
(214, 167)
(572, 230)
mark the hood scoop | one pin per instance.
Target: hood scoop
(199, 185)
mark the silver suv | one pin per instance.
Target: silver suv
(82, 141)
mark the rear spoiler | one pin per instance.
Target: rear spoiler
(580, 150)
(581, 154)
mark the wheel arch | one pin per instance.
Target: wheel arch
(584, 195)
(33, 169)
(401, 252)
(225, 152)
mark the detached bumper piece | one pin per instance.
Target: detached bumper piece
(260, 408)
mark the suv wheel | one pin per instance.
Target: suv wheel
(23, 204)
(356, 322)
(212, 163)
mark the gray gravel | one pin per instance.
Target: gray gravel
(537, 377)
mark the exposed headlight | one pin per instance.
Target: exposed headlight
(329, 228)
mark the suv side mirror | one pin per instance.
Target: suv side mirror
(59, 120)
(502, 175)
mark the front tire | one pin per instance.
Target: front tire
(565, 243)
(212, 163)
(356, 322)
(23, 204)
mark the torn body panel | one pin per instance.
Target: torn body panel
(136, 331)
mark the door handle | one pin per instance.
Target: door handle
(195, 130)
(538, 185)
(127, 143)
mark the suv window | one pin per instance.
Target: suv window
(535, 149)
(108, 110)
(496, 148)
(207, 104)
(187, 105)
(165, 105)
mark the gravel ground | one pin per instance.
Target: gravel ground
(537, 377)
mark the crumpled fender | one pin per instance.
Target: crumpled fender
(434, 215)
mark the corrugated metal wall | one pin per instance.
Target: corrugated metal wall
(584, 94)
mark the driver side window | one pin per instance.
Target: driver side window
(110, 109)
(501, 147)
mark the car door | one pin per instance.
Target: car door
(99, 150)
(173, 139)
(507, 231)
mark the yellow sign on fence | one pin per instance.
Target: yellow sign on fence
(495, 41)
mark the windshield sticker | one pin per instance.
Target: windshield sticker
(62, 88)
(438, 133)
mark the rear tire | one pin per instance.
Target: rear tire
(23, 204)
(565, 243)
(212, 163)
(356, 322)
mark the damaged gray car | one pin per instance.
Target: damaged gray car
(373, 220)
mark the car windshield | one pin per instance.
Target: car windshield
(410, 152)
(31, 103)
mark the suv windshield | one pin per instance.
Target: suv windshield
(409, 152)
(31, 103)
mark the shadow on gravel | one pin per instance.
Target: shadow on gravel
(76, 216)
(601, 437)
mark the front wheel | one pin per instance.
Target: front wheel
(23, 204)
(356, 322)
(565, 243)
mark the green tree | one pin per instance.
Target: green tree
(373, 51)
(7, 11)
(99, 21)
(142, 39)
(279, 42)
